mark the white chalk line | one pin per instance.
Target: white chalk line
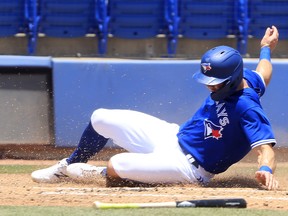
(99, 192)
(139, 189)
(157, 195)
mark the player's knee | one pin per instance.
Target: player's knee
(113, 179)
(111, 173)
(98, 117)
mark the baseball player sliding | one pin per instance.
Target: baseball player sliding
(226, 127)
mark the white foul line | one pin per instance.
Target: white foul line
(99, 192)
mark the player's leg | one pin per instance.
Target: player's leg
(157, 167)
(134, 131)
(90, 143)
(131, 130)
(171, 166)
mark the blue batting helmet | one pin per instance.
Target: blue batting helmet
(221, 64)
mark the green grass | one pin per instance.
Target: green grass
(18, 169)
(45, 211)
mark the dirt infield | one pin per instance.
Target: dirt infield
(20, 190)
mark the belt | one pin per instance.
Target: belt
(189, 157)
(202, 176)
(192, 160)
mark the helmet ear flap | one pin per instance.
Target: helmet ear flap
(220, 94)
(230, 86)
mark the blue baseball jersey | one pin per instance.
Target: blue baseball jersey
(222, 132)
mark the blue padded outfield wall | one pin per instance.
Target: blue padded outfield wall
(163, 88)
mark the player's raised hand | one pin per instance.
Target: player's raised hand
(270, 38)
(267, 180)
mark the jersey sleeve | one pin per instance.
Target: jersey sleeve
(257, 128)
(255, 81)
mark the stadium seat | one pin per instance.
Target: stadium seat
(68, 19)
(206, 19)
(211, 19)
(264, 13)
(144, 19)
(12, 17)
(16, 18)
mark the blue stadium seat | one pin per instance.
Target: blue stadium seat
(62, 18)
(15, 18)
(144, 19)
(12, 17)
(68, 18)
(264, 13)
(206, 19)
(214, 19)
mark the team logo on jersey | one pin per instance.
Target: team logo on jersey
(212, 130)
(206, 67)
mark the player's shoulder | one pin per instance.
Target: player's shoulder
(253, 77)
(247, 100)
(255, 81)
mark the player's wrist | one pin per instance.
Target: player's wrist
(265, 53)
(264, 45)
(266, 168)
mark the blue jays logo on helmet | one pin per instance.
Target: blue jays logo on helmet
(212, 130)
(206, 67)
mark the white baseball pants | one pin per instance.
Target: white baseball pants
(154, 155)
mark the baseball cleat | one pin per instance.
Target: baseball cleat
(53, 174)
(82, 172)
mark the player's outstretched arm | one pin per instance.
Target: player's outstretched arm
(267, 166)
(267, 44)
